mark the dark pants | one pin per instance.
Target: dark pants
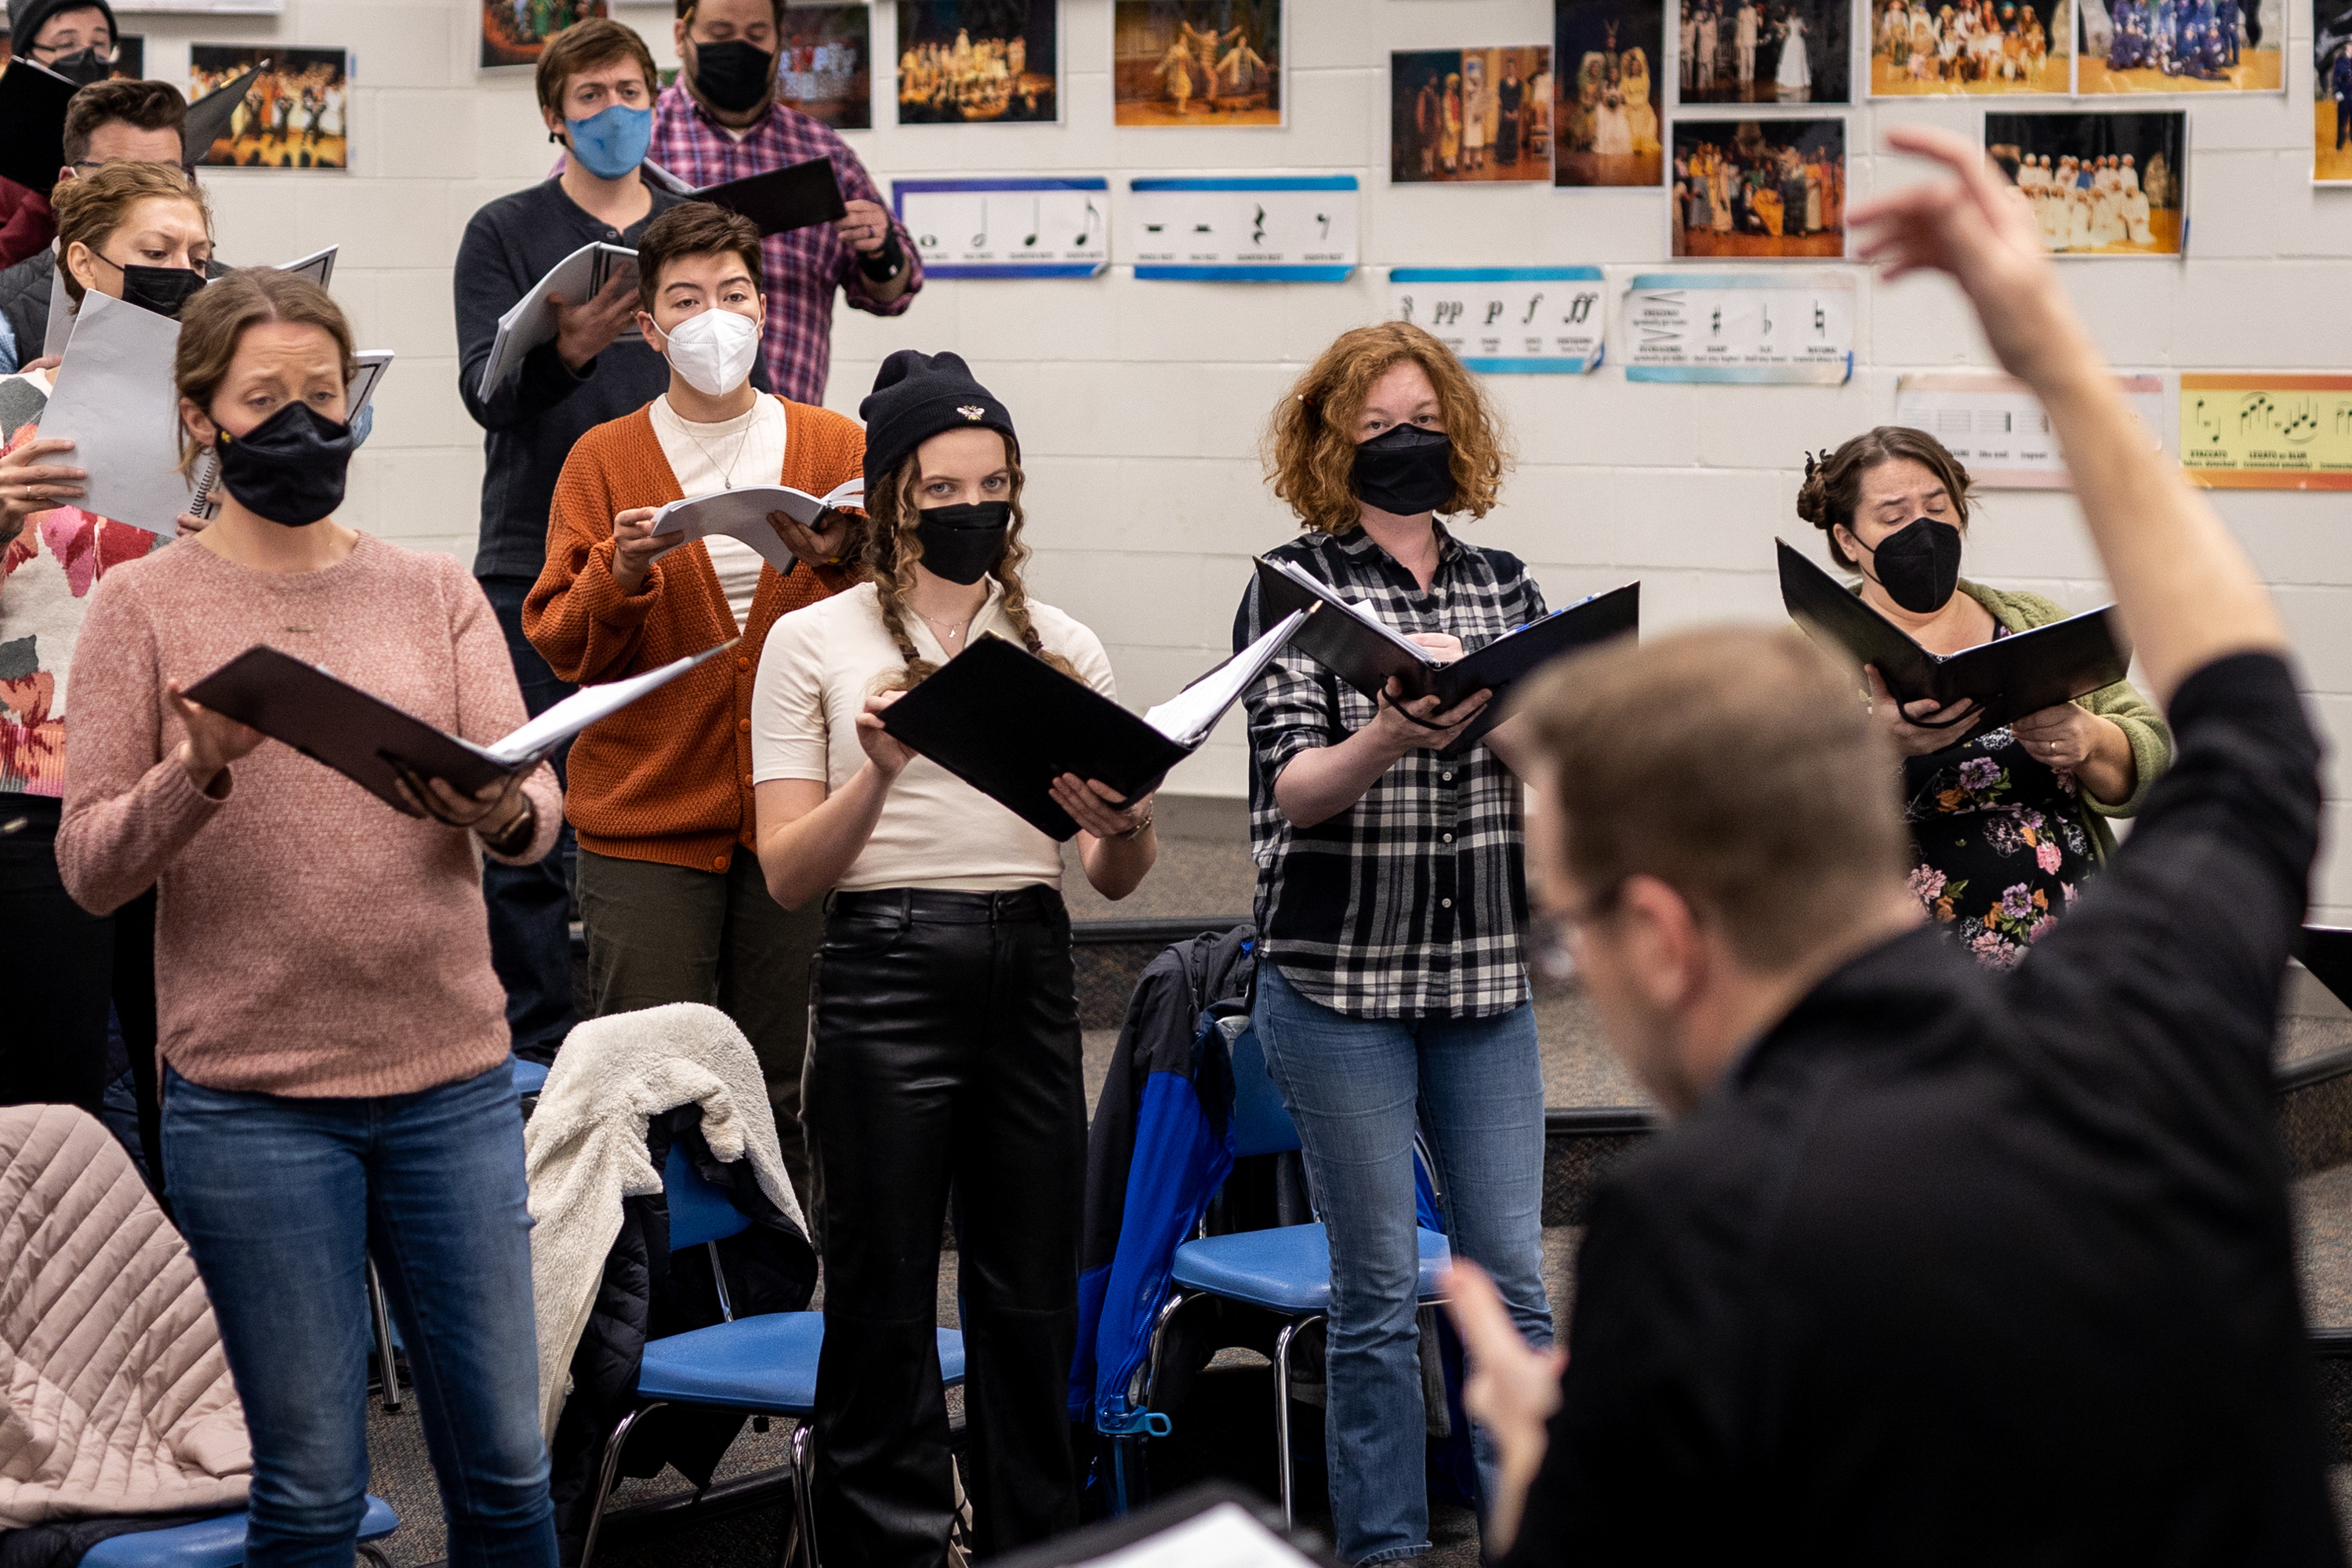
(73, 965)
(530, 906)
(946, 1050)
(2343, 122)
(658, 934)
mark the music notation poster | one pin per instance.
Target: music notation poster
(1507, 320)
(1268, 229)
(2267, 432)
(1007, 228)
(1999, 430)
(1734, 327)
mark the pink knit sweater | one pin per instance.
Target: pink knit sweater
(310, 939)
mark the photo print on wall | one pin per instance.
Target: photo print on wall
(1763, 51)
(1760, 189)
(979, 61)
(296, 114)
(1970, 48)
(2182, 46)
(823, 56)
(2331, 97)
(1469, 116)
(1607, 102)
(2110, 184)
(515, 31)
(1196, 62)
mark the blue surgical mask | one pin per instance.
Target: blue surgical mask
(611, 142)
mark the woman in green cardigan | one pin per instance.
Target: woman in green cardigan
(2008, 824)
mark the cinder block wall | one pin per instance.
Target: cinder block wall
(1141, 403)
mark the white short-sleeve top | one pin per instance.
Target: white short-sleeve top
(821, 663)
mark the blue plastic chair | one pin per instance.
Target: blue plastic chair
(216, 1542)
(1286, 1270)
(765, 1365)
(529, 1078)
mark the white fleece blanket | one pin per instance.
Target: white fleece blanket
(585, 1151)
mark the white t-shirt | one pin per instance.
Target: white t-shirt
(746, 451)
(821, 663)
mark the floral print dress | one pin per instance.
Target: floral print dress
(2001, 845)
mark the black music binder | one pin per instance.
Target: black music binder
(1008, 723)
(2327, 951)
(2007, 678)
(780, 200)
(33, 125)
(369, 741)
(1362, 650)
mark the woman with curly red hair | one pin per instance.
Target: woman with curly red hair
(1391, 987)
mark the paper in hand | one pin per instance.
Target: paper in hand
(742, 514)
(114, 399)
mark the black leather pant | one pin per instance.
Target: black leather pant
(946, 1050)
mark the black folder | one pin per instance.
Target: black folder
(209, 116)
(778, 201)
(1366, 656)
(33, 125)
(2007, 678)
(2327, 951)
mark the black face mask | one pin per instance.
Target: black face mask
(734, 76)
(163, 289)
(1405, 471)
(961, 543)
(82, 67)
(1919, 565)
(289, 468)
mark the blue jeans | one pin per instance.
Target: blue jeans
(283, 1201)
(1356, 1087)
(530, 906)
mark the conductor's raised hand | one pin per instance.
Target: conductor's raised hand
(1405, 725)
(1977, 227)
(29, 484)
(634, 545)
(213, 740)
(889, 754)
(1094, 805)
(586, 330)
(1915, 728)
(1511, 1391)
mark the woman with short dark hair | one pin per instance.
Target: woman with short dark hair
(2010, 823)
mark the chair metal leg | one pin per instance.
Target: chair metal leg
(1281, 1413)
(382, 1313)
(605, 1472)
(1142, 1396)
(803, 1535)
(719, 1277)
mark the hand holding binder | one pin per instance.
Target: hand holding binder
(746, 513)
(532, 320)
(780, 200)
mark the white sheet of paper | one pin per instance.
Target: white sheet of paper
(1189, 716)
(1364, 613)
(531, 321)
(742, 514)
(114, 400)
(584, 706)
(61, 315)
(1222, 1537)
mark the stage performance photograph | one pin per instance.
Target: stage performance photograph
(2111, 183)
(2182, 46)
(977, 61)
(1196, 62)
(1970, 48)
(1760, 189)
(1476, 116)
(1607, 95)
(1763, 51)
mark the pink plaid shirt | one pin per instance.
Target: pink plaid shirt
(804, 268)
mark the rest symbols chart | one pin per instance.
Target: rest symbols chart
(1268, 230)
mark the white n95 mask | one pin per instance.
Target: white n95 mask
(714, 350)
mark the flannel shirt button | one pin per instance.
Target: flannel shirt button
(1446, 778)
(1446, 904)
(1447, 837)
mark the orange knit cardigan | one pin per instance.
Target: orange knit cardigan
(668, 778)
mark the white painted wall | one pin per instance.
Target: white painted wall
(1140, 403)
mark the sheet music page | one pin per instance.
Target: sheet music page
(1192, 712)
(741, 514)
(587, 705)
(1222, 1537)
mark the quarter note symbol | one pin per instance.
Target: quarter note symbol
(1325, 219)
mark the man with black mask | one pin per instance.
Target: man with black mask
(721, 120)
(2007, 825)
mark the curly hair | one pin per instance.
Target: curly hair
(1309, 445)
(1833, 486)
(890, 548)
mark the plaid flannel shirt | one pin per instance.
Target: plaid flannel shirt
(804, 268)
(1410, 903)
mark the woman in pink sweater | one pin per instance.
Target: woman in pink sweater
(337, 1074)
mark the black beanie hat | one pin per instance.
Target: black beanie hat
(25, 17)
(916, 395)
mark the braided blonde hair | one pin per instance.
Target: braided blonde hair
(892, 548)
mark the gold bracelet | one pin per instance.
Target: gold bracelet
(1141, 828)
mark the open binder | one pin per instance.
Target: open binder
(778, 201)
(2007, 678)
(2327, 951)
(33, 100)
(1363, 650)
(368, 741)
(742, 514)
(531, 321)
(1008, 723)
